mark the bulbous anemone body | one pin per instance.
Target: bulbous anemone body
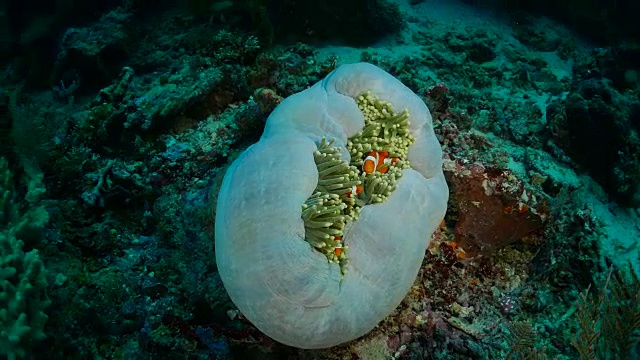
(280, 283)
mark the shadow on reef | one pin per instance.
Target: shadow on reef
(598, 122)
(606, 21)
(46, 38)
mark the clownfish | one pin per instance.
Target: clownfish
(356, 189)
(338, 250)
(377, 161)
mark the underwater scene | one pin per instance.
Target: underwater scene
(320, 180)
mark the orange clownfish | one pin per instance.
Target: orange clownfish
(338, 250)
(356, 189)
(377, 161)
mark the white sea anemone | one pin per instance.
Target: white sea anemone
(285, 280)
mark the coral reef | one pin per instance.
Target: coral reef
(494, 207)
(23, 280)
(131, 113)
(597, 115)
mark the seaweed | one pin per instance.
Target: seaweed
(609, 319)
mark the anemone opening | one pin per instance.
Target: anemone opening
(378, 156)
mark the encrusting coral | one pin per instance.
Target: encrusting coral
(331, 168)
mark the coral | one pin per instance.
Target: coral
(282, 284)
(94, 54)
(373, 349)
(522, 341)
(609, 319)
(266, 99)
(134, 103)
(22, 299)
(595, 115)
(22, 278)
(495, 208)
(570, 256)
